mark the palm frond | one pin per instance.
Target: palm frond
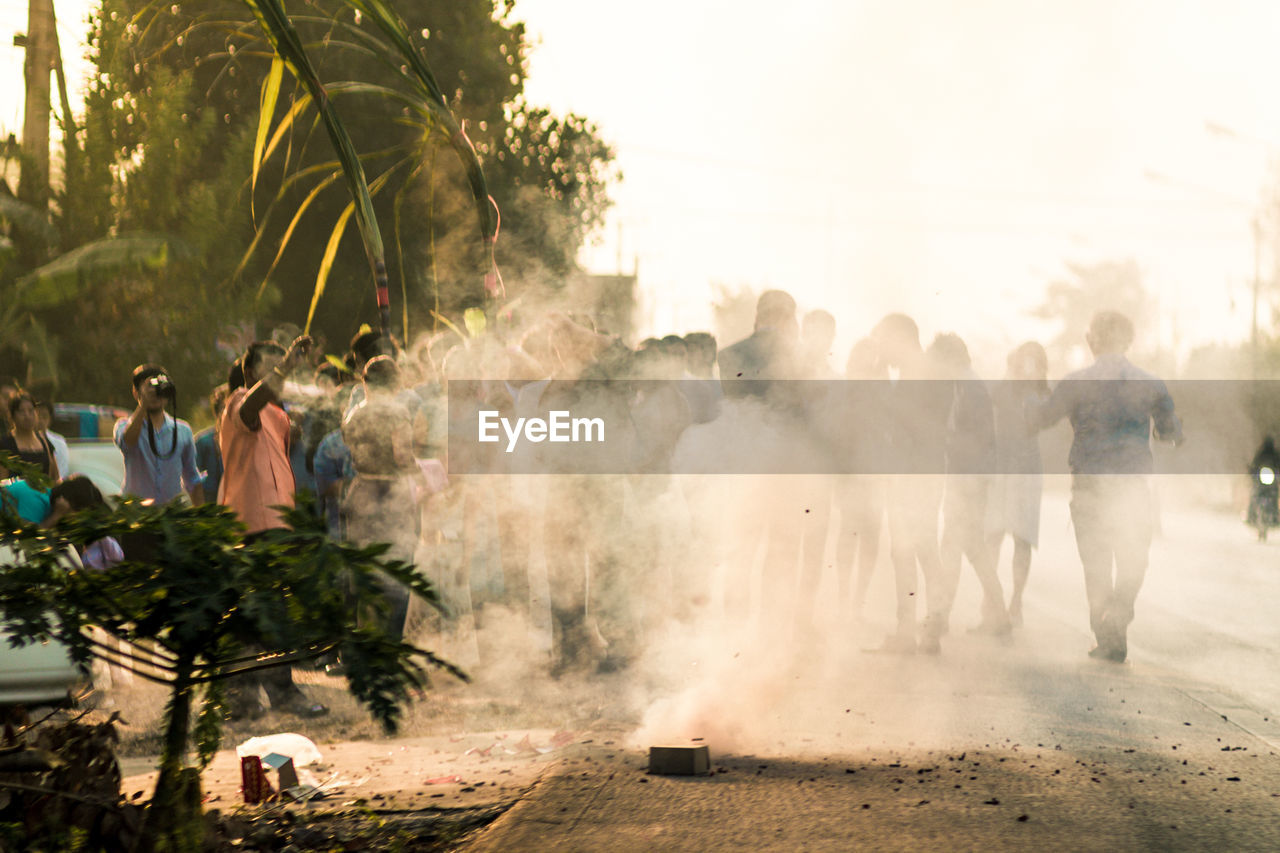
(60, 279)
(282, 35)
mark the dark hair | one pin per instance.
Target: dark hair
(329, 370)
(143, 372)
(775, 306)
(820, 316)
(703, 342)
(18, 399)
(899, 327)
(949, 349)
(700, 351)
(253, 357)
(382, 372)
(864, 361)
(79, 491)
(235, 376)
(366, 345)
(1111, 330)
(218, 399)
(1034, 352)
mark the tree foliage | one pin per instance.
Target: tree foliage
(140, 165)
(1070, 302)
(166, 148)
(196, 596)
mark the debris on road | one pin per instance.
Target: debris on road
(300, 748)
(444, 780)
(254, 786)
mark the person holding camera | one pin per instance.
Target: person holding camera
(159, 449)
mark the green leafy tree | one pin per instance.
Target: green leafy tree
(132, 262)
(198, 595)
(171, 147)
(556, 171)
(547, 174)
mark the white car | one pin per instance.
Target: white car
(100, 461)
(37, 673)
(43, 673)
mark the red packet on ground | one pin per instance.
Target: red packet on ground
(443, 780)
(253, 781)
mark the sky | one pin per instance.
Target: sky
(944, 158)
(941, 157)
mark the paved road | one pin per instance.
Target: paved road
(989, 746)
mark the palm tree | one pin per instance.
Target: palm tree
(419, 92)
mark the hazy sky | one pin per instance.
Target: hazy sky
(939, 157)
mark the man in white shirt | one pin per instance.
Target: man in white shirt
(159, 450)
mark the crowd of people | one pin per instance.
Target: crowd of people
(606, 559)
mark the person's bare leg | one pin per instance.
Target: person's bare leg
(1021, 570)
(906, 577)
(858, 544)
(816, 524)
(995, 617)
(847, 541)
(868, 554)
(778, 583)
(906, 583)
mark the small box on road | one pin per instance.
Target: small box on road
(690, 760)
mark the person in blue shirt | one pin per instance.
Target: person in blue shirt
(26, 501)
(46, 507)
(159, 450)
(333, 470)
(1113, 407)
(208, 453)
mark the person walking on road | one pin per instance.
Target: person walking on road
(971, 461)
(1112, 406)
(1014, 508)
(918, 408)
(861, 495)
